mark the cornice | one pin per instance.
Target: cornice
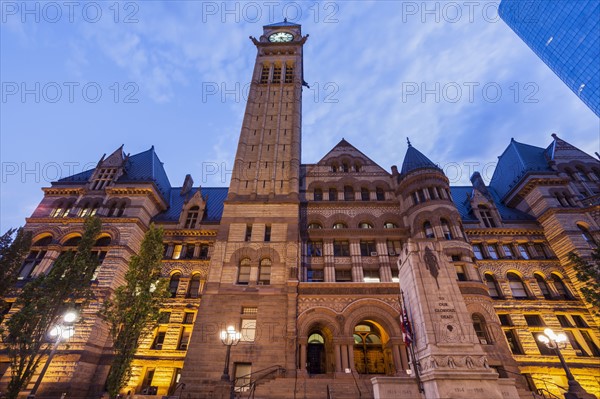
(548, 213)
(190, 233)
(61, 191)
(501, 231)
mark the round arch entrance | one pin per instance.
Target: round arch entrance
(371, 352)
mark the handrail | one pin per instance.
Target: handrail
(535, 378)
(267, 371)
(357, 387)
(540, 391)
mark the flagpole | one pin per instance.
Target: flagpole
(411, 347)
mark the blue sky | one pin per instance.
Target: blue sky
(79, 79)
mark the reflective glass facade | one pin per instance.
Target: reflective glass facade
(565, 34)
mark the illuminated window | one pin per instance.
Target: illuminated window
(174, 284)
(517, 287)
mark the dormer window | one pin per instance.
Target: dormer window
(486, 216)
(105, 176)
(192, 217)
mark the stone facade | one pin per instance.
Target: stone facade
(310, 261)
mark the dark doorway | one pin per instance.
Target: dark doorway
(315, 356)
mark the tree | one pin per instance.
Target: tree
(12, 254)
(134, 310)
(588, 272)
(42, 302)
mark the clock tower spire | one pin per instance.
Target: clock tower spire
(267, 161)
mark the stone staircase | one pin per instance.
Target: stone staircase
(315, 387)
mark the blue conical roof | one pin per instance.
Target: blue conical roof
(414, 159)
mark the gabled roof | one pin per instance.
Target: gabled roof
(214, 197)
(281, 24)
(463, 205)
(515, 162)
(414, 160)
(559, 150)
(344, 147)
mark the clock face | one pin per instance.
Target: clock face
(280, 37)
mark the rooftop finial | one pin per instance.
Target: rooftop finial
(408, 141)
(285, 20)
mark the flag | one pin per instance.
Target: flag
(406, 329)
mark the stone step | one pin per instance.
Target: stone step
(314, 388)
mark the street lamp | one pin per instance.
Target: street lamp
(61, 331)
(229, 338)
(558, 342)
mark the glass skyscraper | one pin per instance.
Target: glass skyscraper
(565, 34)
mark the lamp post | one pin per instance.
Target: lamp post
(558, 342)
(229, 338)
(63, 330)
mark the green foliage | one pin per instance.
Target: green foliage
(134, 309)
(588, 272)
(41, 304)
(12, 255)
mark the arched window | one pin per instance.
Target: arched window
(446, 229)
(333, 195)
(88, 209)
(244, 272)
(356, 167)
(480, 327)
(35, 257)
(194, 287)
(587, 236)
(348, 193)
(174, 284)
(72, 242)
(582, 175)
(339, 225)
(365, 225)
(561, 288)
(380, 194)
(345, 167)
(264, 272)
(428, 230)
(192, 217)
(314, 226)
(318, 194)
(492, 286)
(389, 225)
(364, 194)
(62, 209)
(541, 281)
(47, 240)
(517, 286)
(103, 241)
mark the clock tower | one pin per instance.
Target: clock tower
(253, 274)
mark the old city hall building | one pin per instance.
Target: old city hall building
(308, 262)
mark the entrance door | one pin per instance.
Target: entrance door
(315, 356)
(368, 350)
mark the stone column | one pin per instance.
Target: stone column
(344, 357)
(302, 356)
(397, 359)
(338, 358)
